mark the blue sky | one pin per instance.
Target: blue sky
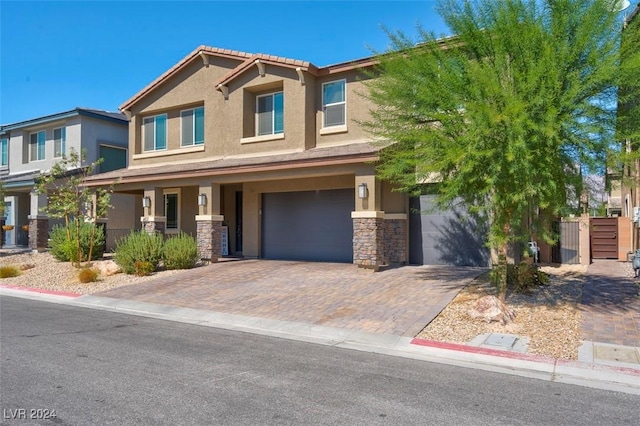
(55, 56)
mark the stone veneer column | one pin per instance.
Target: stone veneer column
(38, 232)
(368, 239)
(151, 224)
(395, 238)
(209, 236)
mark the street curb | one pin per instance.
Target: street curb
(40, 291)
(621, 379)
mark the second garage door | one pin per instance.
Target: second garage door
(308, 225)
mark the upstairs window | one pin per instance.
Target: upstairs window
(59, 141)
(334, 102)
(154, 132)
(192, 124)
(270, 114)
(4, 152)
(36, 146)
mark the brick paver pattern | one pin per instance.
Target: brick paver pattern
(611, 304)
(399, 301)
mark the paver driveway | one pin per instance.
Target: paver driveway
(398, 301)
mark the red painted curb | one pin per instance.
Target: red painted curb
(40, 290)
(482, 351)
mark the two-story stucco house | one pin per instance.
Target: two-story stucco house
(262, 156)
(31, 147)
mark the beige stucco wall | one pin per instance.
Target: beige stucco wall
(230, 122)
(625, 242)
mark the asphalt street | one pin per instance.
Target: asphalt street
(94, 367)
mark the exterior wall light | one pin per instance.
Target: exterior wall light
(146, 202)
(363, 191)
(202, 199)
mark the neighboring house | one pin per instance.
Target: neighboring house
(624, 194)
(262, 156)
(31, 147)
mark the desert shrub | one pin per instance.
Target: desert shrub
(88, 275)
(9, 271)
(180, 252)
(142, 269)
(523, 277)
(139, 246)
(65, 250)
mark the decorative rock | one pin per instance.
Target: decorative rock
(107, 267)
(491, 309)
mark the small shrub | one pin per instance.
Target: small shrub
(180, 252)
(88, 275)
(65, 250)
(523, 278)
(9, 271)
(139, 246)
(142, 269)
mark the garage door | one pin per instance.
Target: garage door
(309, 225)
(450, 237)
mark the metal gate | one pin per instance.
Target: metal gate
(604, 237)
(568, 247)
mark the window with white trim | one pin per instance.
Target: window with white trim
(172, 210)
(334, 103)
(192, 126)
(59, 141)
(4, 152)
(154, 132)
(36, 145)
(270, 114)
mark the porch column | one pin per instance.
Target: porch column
(209, 222)
(395, 238)
(368, 239)
(153, 219)
(38, 223)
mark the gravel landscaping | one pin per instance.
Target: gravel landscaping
(549, 317)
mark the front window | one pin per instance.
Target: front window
(192, 122)
(155, 132)
(270, 114)
(4, 152)
(172, 211)
(59, 141)
(334, 103)
(36, 146)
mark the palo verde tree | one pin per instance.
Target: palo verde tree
(68, 199)
(504, 113)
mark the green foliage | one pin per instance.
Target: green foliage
(70, 200)
(180, 252)
(523, 277)
(9, 271)
(63, 243)
(88, 275)
(503, 112)
(141, 247)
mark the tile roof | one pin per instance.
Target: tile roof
(247, 60)
(357, 152)
(95, 113)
